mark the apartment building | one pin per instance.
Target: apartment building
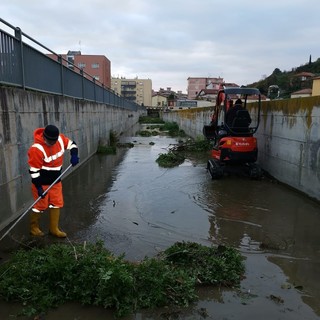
(137, 90)
(98, 66)
(195, 85)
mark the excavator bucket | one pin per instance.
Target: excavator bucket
(209, 132)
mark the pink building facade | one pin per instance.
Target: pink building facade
(195, 85)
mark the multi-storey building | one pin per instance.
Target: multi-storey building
(98, 66)
(137, 90)
(195, 85)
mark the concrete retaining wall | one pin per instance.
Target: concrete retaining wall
(288, 139)
(21, 112)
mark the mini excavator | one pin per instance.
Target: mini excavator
(234, 145)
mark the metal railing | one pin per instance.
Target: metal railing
(24, 66)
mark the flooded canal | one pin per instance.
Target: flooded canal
(138, 208)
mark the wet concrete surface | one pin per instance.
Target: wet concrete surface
(138, 208)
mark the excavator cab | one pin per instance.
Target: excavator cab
(235, 120)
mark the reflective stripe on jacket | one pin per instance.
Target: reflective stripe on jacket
(46, 161)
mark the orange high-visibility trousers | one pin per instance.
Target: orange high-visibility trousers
(54, 197)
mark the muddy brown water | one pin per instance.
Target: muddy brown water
(139, 208)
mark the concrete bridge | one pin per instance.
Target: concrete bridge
(154, 111)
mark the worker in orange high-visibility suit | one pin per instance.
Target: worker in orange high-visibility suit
(45, 158)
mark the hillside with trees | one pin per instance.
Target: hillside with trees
(288, 81)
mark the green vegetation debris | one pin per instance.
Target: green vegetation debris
(111, 148)
(198, 145)
(125, 145)
(44, 278)
(182, 150)
(146, 119)
(170, 159)
(146, 133)
(113, 145)
(113, 138)
(107, 149)
(156, 128)
(173, 129)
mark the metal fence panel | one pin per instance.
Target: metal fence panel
(41, 72)
(88, 89)
(72, 84)
(10, 60)
(99, 94)
(24, 66)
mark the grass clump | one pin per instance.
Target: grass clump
(173, 129)
(198, 145)
(146, 119)
(146, 133)
(170, 159)
(107, 149)
(179, 152)
(125, 145)
(111, 148)
(210, 265)
(43, 278)
(113, 144)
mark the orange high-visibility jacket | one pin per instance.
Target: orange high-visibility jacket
(46, 161)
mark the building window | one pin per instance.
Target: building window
(81, 65)
(95, 66)
(70, 62)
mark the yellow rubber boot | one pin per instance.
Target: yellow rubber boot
(34, 224)
(54, 222)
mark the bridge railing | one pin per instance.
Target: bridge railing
(22, 65)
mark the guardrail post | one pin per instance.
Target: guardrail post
(18, 36)
(94, 89)
(60, 60)
(81, 72)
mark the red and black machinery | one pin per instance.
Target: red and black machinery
(234, 145)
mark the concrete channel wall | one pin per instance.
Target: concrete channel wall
(21, 112)
(288, 139)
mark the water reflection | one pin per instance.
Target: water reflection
(140, 211)
(138, 208)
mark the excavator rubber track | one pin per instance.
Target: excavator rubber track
(215, 169)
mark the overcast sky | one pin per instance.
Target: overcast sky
(168, 41)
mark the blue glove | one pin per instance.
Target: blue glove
(74, 159)
(40, 192)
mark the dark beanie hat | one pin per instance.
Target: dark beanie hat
(51, 132)
(239, 101)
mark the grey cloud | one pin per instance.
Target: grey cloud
(169, 41)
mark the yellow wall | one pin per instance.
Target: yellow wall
(143, 89)
(159, 101)
(316, 87)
